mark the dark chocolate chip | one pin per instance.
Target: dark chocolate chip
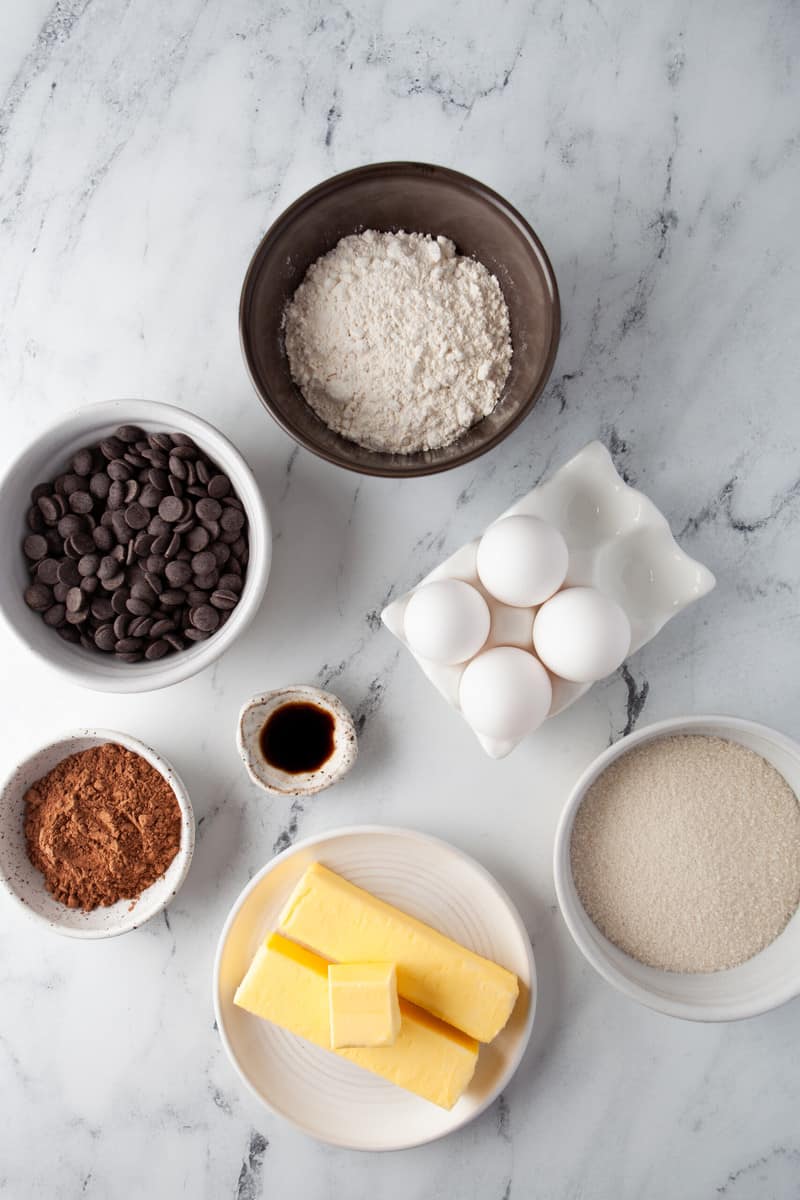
(100, 485)
(176, 467)
(130, 434)
(204, 617)
(128, 645)
(55, 615)
(197, 539)
(49, 509)
(68, 573)
(35, 547)
(81, 502)
(162, 625)
(208, 509)
(119, 601)
(170, 509)
(112, 448)
(219, 486)
(204, 562)
(178, 573)
(136, 516)
(222, 598)
(207, 582)
(84, 543)
(89, 564)
(140, 626)
(105, 638)
(158, 648)
(139, 608)
(116, 495)
(151, 496)
(120, 625)
(47, 571)
(231, 519)
(101, 609)
(82, 463)
(75, 600)
(39, 597)
(172, 597)
(119, 470)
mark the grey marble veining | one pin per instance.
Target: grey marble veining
(144, 148)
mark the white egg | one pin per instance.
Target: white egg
(522, 560)
(446, 621)
(505, 693)
(581, 634)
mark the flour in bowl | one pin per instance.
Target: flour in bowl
(397, 342)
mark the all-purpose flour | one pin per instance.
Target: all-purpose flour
(397, 342)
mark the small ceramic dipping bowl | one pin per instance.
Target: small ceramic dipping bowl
(25, 884)
(272, 779)
(417, 198)
(764, 981)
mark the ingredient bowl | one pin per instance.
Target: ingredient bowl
(417, 198)
(269, 776)
(47, 456)
(765, 981)
(25, 884)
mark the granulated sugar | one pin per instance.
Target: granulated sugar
(397, 342)
(686, 853)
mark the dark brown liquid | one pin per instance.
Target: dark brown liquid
(297, 737)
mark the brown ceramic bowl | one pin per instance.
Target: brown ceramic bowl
(419, 199)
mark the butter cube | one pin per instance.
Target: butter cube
(364, 1008)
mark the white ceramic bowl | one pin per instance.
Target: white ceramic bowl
(320, 1093)
(25, 884)
(46, 457)
(765, 981)
(279, 783)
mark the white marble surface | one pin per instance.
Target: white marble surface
(144, 148)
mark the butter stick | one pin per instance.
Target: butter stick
(288, 985)
(344, 923)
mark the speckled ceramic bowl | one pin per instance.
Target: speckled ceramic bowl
(279, 783)
(25, 884)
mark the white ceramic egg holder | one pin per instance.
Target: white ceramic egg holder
(618, 542)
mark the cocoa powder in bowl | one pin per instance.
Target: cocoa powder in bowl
(102, 826)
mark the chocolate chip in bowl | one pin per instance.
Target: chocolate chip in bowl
(145, 545)
(96, 834)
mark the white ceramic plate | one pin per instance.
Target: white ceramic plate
(618, 542)
(322, 1094)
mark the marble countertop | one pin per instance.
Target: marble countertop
(144, 148)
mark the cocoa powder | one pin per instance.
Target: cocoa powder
(102, 826)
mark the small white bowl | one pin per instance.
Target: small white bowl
(279, 783)
(25, 884)
(46, 457)
(762, 983)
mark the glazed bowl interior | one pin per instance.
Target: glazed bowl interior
(765, 981)
(45, 458)
(25, 883)
(418, 199)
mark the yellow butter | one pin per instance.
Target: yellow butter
(364, 1009)
(344, 923)
(288, 985)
